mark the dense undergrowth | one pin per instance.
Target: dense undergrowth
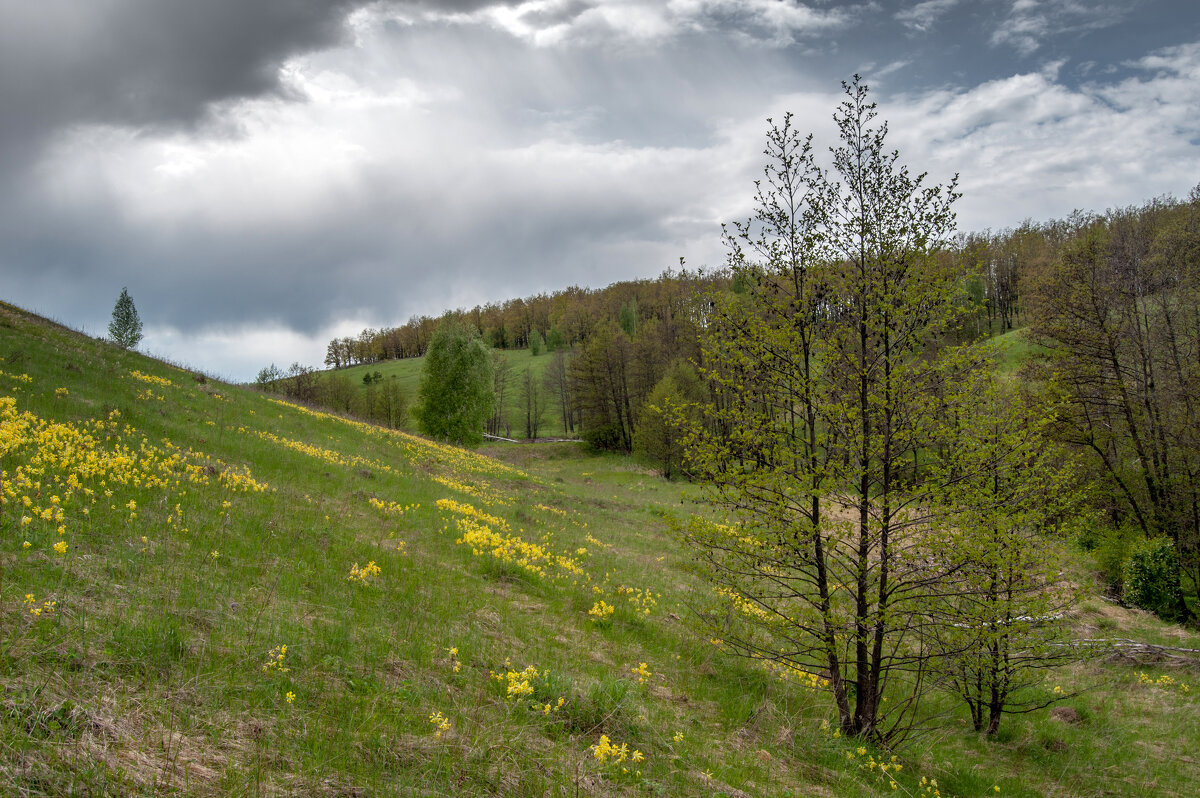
(208, 591)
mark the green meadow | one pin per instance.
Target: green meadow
(206, 590)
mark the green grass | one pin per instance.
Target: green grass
(147, 676)
(1016, 349)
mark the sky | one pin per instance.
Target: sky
(266, 175)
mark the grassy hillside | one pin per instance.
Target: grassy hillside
(207, 591)
(1015, 348)
(408, 372)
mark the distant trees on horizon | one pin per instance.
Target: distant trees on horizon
(544, 322)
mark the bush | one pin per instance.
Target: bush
(606, 437)
(1152, 577)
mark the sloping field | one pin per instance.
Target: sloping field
(408, 373)
(208, 591)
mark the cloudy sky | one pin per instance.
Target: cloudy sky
(266, 174)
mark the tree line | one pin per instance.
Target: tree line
(552, 321)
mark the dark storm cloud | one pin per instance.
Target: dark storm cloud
(403, 236)
(144, 62)
(263, 175)
(149, 63)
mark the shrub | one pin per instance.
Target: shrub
(606, 437)
(1152, 577)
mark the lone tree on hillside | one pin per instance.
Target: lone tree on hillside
(125, 329)
(455, 396)
(828, 443)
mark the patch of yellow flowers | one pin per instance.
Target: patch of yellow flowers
(642, 600)
(440, 723)
(787, 671)
(518, 684)
(77, 463)
(1164, 682)
(885, 771)
(641, 672)
(361, 574)
(601, 610)
(480, 490)
(37, 610)
(275, 658)
(457, 459)
(23, 378)
(319, 453)
(478, 530)
(608, 753)
(162, 382)
(394, 508)
(470, 511)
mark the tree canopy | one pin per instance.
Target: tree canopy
(455, 396)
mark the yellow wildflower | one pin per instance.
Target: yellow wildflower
(440, 723)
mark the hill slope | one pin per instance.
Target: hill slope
(208, 591)
(407, 372)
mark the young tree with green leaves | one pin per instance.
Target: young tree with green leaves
(1007, 490)
(455, 395)
(125, 329)
(392, 404)
(502, 370)
(833, 383)
(556, 380)
(269, 378)
(657, 436)
(600, 387)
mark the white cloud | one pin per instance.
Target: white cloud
(236, 353)
(552, 23)
(1030, 22)
(923, 15)
(1029, 147)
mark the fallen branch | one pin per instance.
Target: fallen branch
(1138, 652)
(1124, 643)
